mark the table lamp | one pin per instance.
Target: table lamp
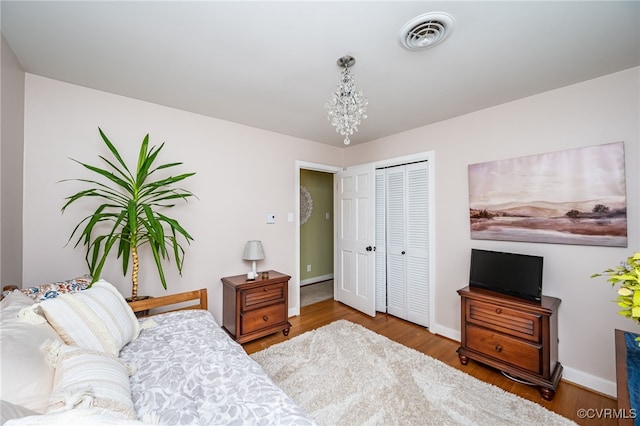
(253, 251)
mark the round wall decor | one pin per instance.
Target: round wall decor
(306, 205)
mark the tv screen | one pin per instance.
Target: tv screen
(515, 274)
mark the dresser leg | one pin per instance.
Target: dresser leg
(463, 359)
(286, 331)
(547, 394)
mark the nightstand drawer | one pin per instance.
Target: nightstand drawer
(514, 351)
(266, 295)
(496, 317)
(258, 319)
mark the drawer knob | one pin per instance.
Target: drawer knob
(498, 348)
(498, 311)
(266, 318)
(264, 289)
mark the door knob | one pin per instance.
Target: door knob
(369, 248)
(403, 252)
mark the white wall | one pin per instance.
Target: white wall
(242, 174)
(591, 113)
(11, 148)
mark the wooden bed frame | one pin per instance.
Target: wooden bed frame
(143, 306)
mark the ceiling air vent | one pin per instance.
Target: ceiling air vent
(426, 30)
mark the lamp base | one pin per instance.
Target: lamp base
(251, 276)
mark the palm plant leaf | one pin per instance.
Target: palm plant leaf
(129, 214)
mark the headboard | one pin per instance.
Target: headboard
(143, 306)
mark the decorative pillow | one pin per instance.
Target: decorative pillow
(86, 378)
(26, 379)
(51, 290)
(9, 411)
(97, 318)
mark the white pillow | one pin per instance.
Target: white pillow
(9, 411)
(26, 378)
(86, 378)
(97, 318)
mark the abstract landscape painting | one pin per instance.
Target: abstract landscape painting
(566, 197)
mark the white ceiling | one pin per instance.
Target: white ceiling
(272, 65)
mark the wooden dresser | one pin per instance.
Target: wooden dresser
(516, 336)
(253, 309)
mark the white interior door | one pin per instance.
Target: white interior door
(406, 231)
(417, 243)
(396, 242)
(355, 256)
(381, 242)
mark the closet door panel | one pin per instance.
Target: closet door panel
(381, 252)
(396, 242)
(417, 231)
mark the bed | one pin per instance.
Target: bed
(176, 367)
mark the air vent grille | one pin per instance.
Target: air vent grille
(426, 30)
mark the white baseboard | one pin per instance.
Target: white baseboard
(317, 279)
(449, 333)
(587, 380)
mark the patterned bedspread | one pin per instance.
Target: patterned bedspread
(189, 371)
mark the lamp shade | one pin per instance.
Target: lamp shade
(253, 250)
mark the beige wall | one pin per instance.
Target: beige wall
(243, 173)
(591, 113)
(11, 165)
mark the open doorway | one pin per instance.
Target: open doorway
(315, 232)
(316, 236)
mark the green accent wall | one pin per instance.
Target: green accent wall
(316, 235)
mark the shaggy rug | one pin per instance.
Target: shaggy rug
(345, 374)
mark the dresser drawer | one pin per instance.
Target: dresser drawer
(516, 323)
(508, 349)
(266, 317)
(261, 296)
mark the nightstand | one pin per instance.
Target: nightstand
(253, 309)
(516, 336)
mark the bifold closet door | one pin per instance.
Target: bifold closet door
(381, 241)
(396, 242)
(407, 241)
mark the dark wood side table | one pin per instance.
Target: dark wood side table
(253, 309)
(514, 335)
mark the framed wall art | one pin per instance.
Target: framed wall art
(575, 196)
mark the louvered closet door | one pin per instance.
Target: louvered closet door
(381, 252)
(407, 242)
(396, 242)
(417, 243)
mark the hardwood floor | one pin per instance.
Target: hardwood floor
(568, 400)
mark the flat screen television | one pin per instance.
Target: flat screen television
(514, 274)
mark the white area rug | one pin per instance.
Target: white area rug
(345, 374)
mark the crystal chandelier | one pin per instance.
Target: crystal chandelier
(347, 106)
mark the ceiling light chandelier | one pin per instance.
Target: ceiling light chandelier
(347, 106)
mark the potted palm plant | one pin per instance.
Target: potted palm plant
(129, 214)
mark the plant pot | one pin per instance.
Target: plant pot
(140, 314)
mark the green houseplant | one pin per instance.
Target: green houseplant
(627, 276)
(129, 214)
